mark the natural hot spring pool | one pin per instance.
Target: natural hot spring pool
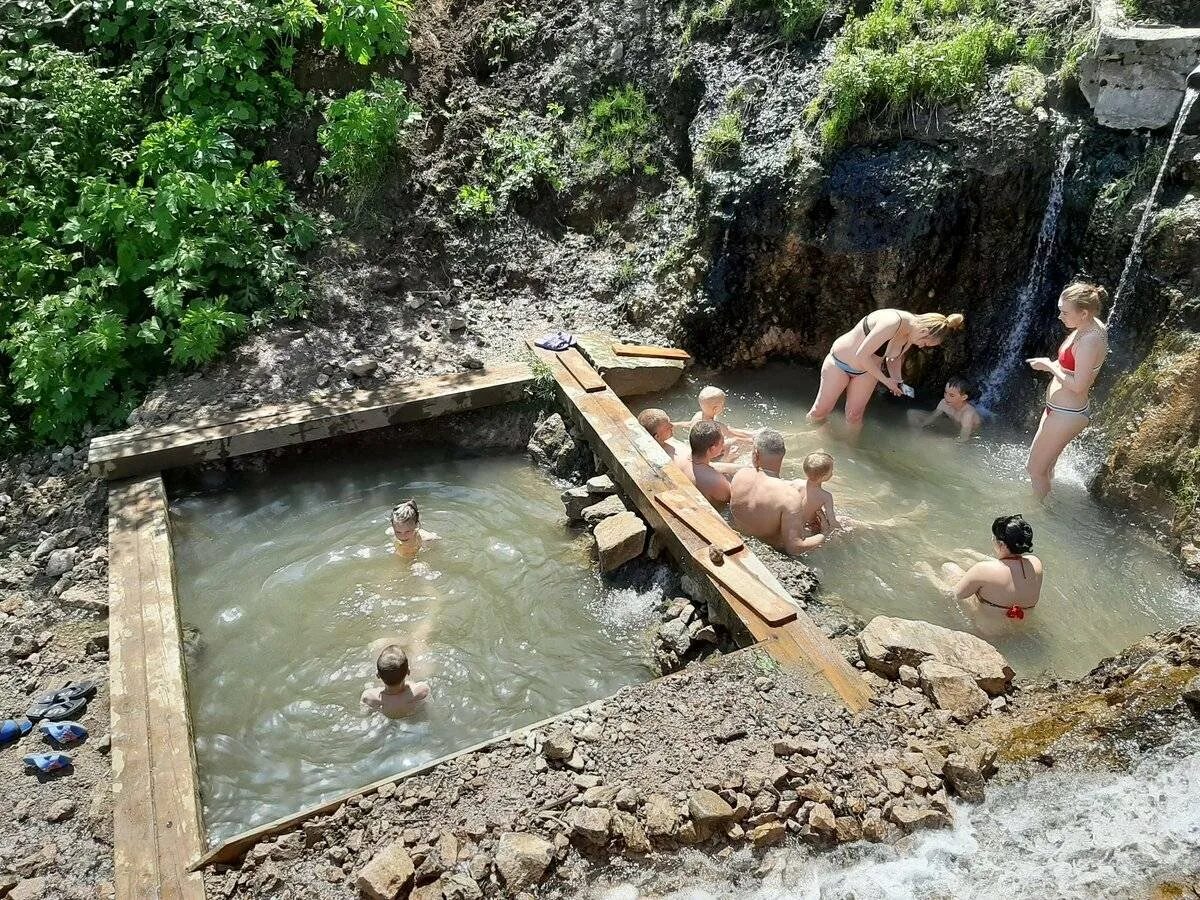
(290, 575)
(1107, 583)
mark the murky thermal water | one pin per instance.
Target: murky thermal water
(291, 575)
(1062, 834)
(1106, 584)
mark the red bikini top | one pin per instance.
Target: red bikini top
(1066, 358)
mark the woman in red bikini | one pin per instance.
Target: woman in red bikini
(1068, 406)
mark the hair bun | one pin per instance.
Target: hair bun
(1018, 535)
(954, 321)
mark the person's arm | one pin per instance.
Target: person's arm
(729, 469)
(969, 583)
(880, 335)
(792, 535)
(1088, 355)
(740, 434)
(830, 516)
(939, 410)
(895, 367)
(970, 422)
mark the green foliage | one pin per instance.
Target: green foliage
(543, 390)
(361, 131)
(1027, 86)
(365, 29)
(625, 275)
(1080, 47)
(723, 142)
(474, 203)
(519, 160)
(905, 52)
(1115, 196)
(1035, 49)
(616, 134)
(793, 19)
(504, 35)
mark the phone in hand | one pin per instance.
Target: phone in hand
(907, 390)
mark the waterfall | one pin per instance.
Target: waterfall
(1133, 260)
(1011, 355)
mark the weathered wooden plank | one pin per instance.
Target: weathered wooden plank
(642, 469)
(702, 519)
(157, 827)
(748, 588)
(581, 370)
(651, 351)
(138, 451)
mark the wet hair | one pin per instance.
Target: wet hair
(705, 435)
(406, 512)
(1014, 533)
(653, 419)
(937, 325)
(964, 385)
(817, 464)
(710, 393)
(1085, 296)
(769, 443)
(392, 665)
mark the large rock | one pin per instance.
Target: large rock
(628, 375)
(522, 859)
(599, 511)
(660, 815)
(575, 500)
(967, 768)
(707, 808)
(952, 689)
(553, 446)
(388, 875)
(888, 643)
(619, 539)
(591, 824)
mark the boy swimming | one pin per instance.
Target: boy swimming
(712, 404)
(817, 513)
(396, 698)
(406, 530)
(954, 405)
(659, 424)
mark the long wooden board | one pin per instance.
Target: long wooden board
(158, 833)
(748, 588)
(651, 351)
(581, 370)
(702, 519)
(642, 469)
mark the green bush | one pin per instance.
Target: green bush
(360, 133)
(909, 51)
(504, 35)
(794, 19)
(364, 29)
(1027, 86)
(617, 132)
(518, 160)
(474, 203)
(723, 142)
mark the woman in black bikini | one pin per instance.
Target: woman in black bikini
(872, 353)
(1005, 586)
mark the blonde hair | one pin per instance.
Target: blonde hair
(1085, 296)
(653, 419)
(711, 393)
(937, 325)
(406, 512)
(817, 464)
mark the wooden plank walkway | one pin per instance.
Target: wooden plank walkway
(156, 815)
(643, 470)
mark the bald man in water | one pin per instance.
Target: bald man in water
(767, 507)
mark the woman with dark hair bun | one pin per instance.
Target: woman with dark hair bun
(1007, 584)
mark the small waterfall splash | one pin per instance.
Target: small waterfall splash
(1031, 291)
(1133, 260)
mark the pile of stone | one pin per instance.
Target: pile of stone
(685, 635)
(960, 674)
(620, 534)
(560, 449)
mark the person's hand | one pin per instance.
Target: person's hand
(893, 385)
(1039, 364)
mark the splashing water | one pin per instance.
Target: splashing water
(1031, 291)
(1064, 834)
(1133, 260)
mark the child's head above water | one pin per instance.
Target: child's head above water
(657, 422)
(958, 391)
(712, 401)
(704, 439)
(818, 466)
(406, 518)
(392, 665)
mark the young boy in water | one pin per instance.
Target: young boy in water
(712, 404)
(396, 698)
(817, 513)
(406, 529)
(956, 406)
(659, 424)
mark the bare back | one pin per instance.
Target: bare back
(711, 483)
(766, 507)
(1013, 581)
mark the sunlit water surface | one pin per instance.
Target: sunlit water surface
(290, 576)
(1106, 585)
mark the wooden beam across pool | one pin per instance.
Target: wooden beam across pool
(158, 833)
(643, 470)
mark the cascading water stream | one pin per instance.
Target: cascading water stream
(1133, 260)
(1031, 291)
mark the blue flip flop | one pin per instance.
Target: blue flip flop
(63, 733)
(13, 729)
(48, 762)
(556, 340)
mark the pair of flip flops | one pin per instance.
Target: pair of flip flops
(66, 703)
(556, 341)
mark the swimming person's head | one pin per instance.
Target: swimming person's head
(657, 422)
(706, 440)
(1081, 302)
(933, 327)
(1013, 534)
(712, 401)
(818, 466)
(959, 391)
(392, 665)
(769, 450)
(406, 518)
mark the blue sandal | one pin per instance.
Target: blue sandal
(48, 762)
(63, 733)
(12, 730)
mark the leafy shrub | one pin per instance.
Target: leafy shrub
(360, 133)
(1027, 86)
(723, 142)
(474, 203)
(364, 29)
(616, 133)
(516, 161)
(793, 19)
(909, 51)
(504, 35)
